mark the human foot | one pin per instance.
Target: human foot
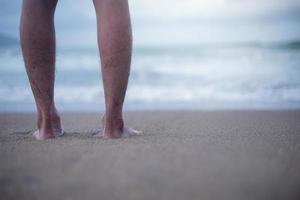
(113, 129)
(44, 136)
(49, 126)
(126, 132)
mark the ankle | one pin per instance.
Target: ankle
(113, 128)
(49, 114)
(47, 117)
(46, 128)
(113, 123)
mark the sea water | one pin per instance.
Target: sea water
(193, 77)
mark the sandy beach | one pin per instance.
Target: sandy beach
(232, 155)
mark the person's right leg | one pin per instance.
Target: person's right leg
(38, 46)
(115, 44)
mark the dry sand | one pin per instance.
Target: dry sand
(232, 155)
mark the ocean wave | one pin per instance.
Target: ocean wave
(162, 93)
(168, 76)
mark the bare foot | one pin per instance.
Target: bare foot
(49, 127)
(116, 129)
(42, 135)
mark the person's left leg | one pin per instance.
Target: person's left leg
(38, 46)
(115, 44)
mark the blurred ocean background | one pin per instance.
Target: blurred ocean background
(196, 56)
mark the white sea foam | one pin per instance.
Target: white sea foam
(248, 77)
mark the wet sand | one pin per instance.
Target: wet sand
(232, 155)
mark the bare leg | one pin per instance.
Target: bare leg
(38, 46)
(115, 44)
